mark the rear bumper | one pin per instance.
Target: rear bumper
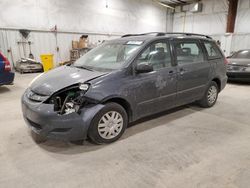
(7, 78)
(43, 120)
(239, 76)
(223, 82)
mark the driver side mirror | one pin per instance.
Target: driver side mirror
(143, 68)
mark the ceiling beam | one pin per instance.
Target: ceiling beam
(163, 4)
(231, 17)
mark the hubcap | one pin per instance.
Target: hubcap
(110, 125)
(212, 94)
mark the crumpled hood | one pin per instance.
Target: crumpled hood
(61, 77)
(234, 61)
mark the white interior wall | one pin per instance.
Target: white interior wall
(120, 16)
(102, 19)
(242, 24)
(212, 21)
(241, 38)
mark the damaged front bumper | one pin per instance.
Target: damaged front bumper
(43, 120)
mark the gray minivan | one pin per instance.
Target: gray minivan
(121, 81)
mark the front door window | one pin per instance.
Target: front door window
(157, 55)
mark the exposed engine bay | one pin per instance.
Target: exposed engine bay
(68, 101)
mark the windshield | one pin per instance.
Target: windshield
(243, 54)
(107, 57)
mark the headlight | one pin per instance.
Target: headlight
(36, 97)
(83, 87)
(35, 79)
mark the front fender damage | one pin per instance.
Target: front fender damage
(72, 103)
(70, 100)
(87, 114)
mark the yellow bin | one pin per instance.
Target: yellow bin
(47, 61)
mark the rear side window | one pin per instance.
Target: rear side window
(188, 52)
(212, 49)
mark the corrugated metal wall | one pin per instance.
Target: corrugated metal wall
(106, 18)
(43, 43)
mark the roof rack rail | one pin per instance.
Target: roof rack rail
(141, 34)
(169, 33)
(189, 34)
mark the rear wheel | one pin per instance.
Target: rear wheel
(108, 124)
(211, 95)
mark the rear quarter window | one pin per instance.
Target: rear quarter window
(212, 50)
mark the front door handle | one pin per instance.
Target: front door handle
(171, 72)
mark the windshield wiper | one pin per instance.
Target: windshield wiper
(84, 67)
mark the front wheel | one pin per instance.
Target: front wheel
(211, 95)
(109, 124)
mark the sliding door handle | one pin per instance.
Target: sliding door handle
(182, 71)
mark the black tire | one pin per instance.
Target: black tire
(93, 133)
(205, 102)
(38, 138)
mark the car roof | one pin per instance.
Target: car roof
(152, 36)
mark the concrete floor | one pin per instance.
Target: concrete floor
(189, 147)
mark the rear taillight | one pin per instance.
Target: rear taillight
(7, 66)
(226, 61)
